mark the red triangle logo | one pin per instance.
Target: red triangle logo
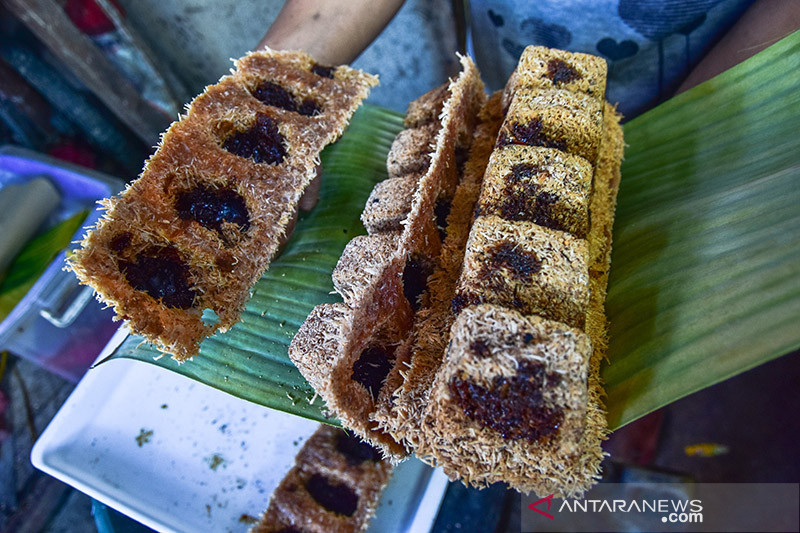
(549, 501)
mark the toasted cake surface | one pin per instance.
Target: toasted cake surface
(334, 486)
(554, 118)
(389, 203)
(201, 224)
(512, 392)
(541, 185)
(526, 267)
(544, 67)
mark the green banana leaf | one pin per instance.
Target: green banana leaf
(705, 272)
(33, 259)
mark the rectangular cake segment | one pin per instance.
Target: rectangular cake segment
(362, 263)
(540, 185)
(334, 449)
(512, 390)
(346, 354)
(539, 66)
(554, 118)
(525, 267)
(317, 499)
(219, 194)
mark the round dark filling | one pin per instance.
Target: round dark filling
(530, 134)
(524, 199)
(339, 499)
(560, 71)
(120, 242)
(354, 450)
(262, 142)
(462, 300)
(441, 211)
(321, 70)
(372, 367)
(161, 273)
(213, 207)
(513, 406)
(480, 348)
(415, 278)
(520, 264)
(274, 95)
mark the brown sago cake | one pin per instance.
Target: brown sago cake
(346, 350)
(491, 366)
(198, 228)
(334, 486)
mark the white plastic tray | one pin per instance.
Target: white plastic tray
(211, 460)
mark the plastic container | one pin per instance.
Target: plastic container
(58, 324)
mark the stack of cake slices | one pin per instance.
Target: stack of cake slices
(473, 324)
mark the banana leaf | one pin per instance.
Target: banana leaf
(705, 277)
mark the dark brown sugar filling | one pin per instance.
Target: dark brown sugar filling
(559, 71)
(415, 279)
(262, 142)
(160, 272)
(520, 264)
(212, 207)
(441, 210)
(323, 71)
(272, 94)
(480, 348)
(339, 499)
(354, 450)
(523, 198)
(513, 406)
(461, 157)
(530, 134)
(461, 300)
(372, 368)
(120, 242)
(502, 263)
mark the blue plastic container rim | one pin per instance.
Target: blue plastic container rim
(77, 185)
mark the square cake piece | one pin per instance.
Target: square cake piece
(540, 185)
(554, 118)
(550, 68)
(509, 402)
(525, 267)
